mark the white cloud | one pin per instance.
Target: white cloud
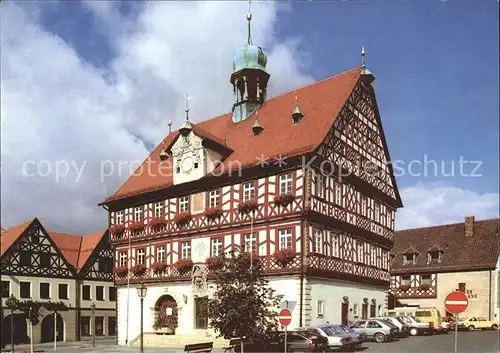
(57, 107)
(434, 204)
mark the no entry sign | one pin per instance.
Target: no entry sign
(285, 317)
(456, 302)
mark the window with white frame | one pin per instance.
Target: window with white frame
(318, 241)
(159, 210)
(141, 255)
(355, 250)
(216, 246)
(186, 250)
(123, 259)
(367, 254)
(364, 205)
(183, 204)
(355, 310)
(160, 253)
(376, 207)
(320, 181)
(249, 191)
(320, 307)
(360, 252)
(214, 198)
(285, 236)
(138, 214)
(250, 243)
(335, 244)
(338, 193)
(286, 183)
(373, 255)
(119, 217)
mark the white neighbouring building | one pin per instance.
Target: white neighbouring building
(304, 174)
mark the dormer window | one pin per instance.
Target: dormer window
(410, 259)
(434, 257)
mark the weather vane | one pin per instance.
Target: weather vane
(187, 98)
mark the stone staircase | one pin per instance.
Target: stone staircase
(152, 339)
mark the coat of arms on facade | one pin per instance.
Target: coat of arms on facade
(199, 280)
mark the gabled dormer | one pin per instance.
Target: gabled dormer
(195, 153)
(410, 256)
(435, 254)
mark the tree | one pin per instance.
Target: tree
(244, 305)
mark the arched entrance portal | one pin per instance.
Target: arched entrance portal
(166, 312)
(48, 328)
(20, 330)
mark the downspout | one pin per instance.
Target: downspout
(305, 235)
(489, 300)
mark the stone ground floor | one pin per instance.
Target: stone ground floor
(65, 326)
(477, 341)
(183, 311)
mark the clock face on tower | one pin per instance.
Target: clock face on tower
(187, 164)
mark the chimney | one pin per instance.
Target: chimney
(469, 226)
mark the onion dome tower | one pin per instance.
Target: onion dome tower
(249, 78)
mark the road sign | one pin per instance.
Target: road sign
(456, 302)
(285, 317)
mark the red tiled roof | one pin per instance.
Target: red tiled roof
(76, 249)
(9, 236)
(320, 102)
(460, 253)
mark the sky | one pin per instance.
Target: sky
(92, 84)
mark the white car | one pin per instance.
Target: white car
(336, 338)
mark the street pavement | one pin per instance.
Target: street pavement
(468, 342)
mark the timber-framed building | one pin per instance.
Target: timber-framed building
(301, 180)
(41, 266)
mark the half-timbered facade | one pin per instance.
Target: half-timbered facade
(428, 263)
(301, 181)
(42, 266)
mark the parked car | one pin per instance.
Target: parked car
(476, 322)
(336, 337)
(379, 330)
(274, 342)
(423, 314)
(404, 329)
(417, 327)
(357, 337)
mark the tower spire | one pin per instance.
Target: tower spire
(363, 53)
(249, 18)
(186, 100)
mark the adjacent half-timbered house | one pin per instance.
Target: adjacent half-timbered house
(428, 263)
(42, 266)
(301, 180)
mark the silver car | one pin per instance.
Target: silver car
(336, 338)
(404, 329)
(379, 330)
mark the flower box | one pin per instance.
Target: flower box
(117, 229)
(120, 271)
(184, 266)
(215, 263)
(159, 267)
(425, 286)
(284, 199)
(248, 206)
(136, 226)
(139, 269)
(284, 257)
(182, 219)
(157, 222)
(213, 213)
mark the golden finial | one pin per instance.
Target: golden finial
(169, 126)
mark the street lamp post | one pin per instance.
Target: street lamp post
(141, 292)
(93, 324)
(12, 303)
